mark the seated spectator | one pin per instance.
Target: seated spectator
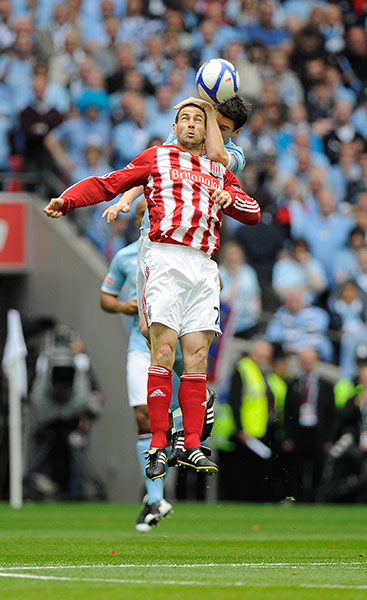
(266, 32)
(289, 88)
(251, 83)
(361, 275)
(241, 290)
(345, 265)
(345, 173)
(261, 245)
(154, 64)
(5, 128)
(68, 141)
(291, 160)
(136, 27)
(95, 163)
(299, 271)
(65, 65)
(342, 130)
(325, 233)
(134, 128)
(297, 326)
(333, 29)
(254, 139)
(161, 113)
(36, 121)
(347, 304)
(359, 116)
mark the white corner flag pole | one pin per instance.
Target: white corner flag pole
(14, 366)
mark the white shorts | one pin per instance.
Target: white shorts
(181, 288)
(137, 366)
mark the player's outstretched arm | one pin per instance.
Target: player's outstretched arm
(123, 205)
(54, 208)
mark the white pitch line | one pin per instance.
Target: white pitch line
(178, 583)
(259, 565)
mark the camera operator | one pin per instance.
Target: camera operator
(64, 401)
(346, 472)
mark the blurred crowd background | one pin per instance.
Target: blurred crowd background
(85, 85)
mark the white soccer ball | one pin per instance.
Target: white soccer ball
(217, 80)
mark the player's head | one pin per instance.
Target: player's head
(188, 105)
(231, 116)
(190, 127)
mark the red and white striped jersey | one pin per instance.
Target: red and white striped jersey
(178, 188)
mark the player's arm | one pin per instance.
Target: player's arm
(110, 303)
(235, 202)
(113, 284)
(124, 204)
(94, 190)
(214, 144)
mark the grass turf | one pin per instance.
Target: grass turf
(229, 551)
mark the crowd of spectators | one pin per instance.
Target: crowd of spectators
(85, 85)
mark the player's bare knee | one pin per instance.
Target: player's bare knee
(164, 355)
(197, 361)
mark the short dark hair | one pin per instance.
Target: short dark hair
(236, 109)
(185, 106)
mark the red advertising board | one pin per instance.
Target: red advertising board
(13, 235)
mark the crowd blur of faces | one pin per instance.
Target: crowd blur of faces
(85, 85)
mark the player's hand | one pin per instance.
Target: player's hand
(112, 211)
(221, 197)
(130, 307)
(207, 106)
(53, 208)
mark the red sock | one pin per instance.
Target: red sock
(159, 400)
(192, 399)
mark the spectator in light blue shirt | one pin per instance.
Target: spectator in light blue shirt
(345, 262)
(131, 136)
(296, 327)
(299, 271)
(241, 290)
(325, 233)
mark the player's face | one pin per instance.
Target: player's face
(190, 128)
(226, 126)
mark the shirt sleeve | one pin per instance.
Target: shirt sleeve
(243, 208)
(236, 158)
(115, 278)
(94, 190)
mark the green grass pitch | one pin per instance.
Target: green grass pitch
(212, 551)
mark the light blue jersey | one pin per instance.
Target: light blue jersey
(122, 272)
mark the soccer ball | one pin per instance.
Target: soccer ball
(217, 80)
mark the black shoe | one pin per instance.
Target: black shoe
(156, 465)
(209, 414)
(151, 514)
(195, 458)
(145, 520)
(178, 443)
